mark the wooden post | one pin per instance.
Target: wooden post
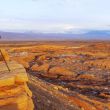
(5, 58)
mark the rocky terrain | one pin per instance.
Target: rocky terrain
(14, 92)
(67, 75)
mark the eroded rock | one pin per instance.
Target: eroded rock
(60, 71)
(14, 92)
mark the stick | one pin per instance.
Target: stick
(5, 61)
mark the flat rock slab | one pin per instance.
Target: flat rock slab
(16, 75)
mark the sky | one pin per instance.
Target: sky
(54, 15)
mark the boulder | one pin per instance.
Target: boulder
(60, 71)
(43, 68)
(87, 77)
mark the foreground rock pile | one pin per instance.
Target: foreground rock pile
(14, 92)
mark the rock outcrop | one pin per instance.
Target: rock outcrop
(14, 92)
(42, 68)
(60, 71)
(87, 77)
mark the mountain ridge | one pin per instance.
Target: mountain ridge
(89, 35)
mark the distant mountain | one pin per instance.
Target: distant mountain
(88, 35)
(97, 34)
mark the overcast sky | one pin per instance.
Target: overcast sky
(54, 15)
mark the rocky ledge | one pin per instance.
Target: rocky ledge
(14, 92)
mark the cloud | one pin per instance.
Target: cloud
(19, 24)
(47, 27)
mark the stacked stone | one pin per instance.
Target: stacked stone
(14, 92)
